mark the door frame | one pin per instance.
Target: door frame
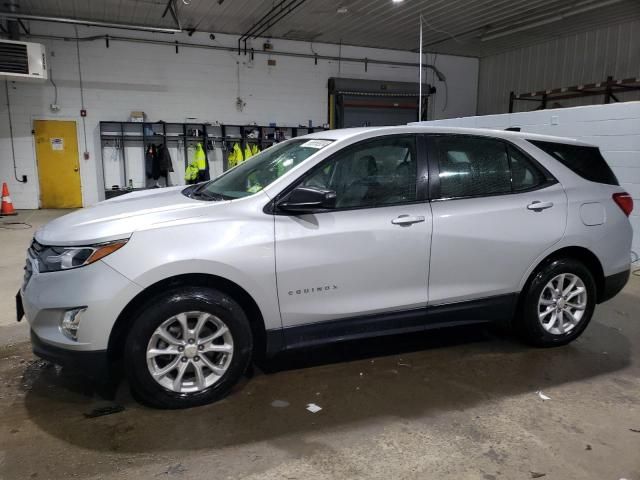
(432, 147)
(422, 174)
(47, 118)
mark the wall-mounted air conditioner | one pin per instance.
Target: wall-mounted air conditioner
(22, 60)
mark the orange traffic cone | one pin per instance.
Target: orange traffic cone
(7, 207)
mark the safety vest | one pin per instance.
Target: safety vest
(235, 156)
(191, 173)
(254, 149)
(200, 158)
(247, 152)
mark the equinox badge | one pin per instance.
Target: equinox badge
(303, 291)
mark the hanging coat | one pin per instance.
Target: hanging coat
(235, 156)
(164, 160)
(247, 152)
(149, 160)
(155, 164)
(200, 158)
(191, 173)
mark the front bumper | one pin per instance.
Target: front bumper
(98, 288)
(613, 284)
(92, 363)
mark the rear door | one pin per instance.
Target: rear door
(495, 210)
(368, 255)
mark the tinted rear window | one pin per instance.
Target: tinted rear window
(584, 161)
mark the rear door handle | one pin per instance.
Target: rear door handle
(538, 206)
(407, 220)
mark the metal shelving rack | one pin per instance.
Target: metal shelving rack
(122, 133)
(267, 136)
(607, 89)
(209, 135)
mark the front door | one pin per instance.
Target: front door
(368, 255)
(58, 164)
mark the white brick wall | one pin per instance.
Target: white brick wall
(194, 83)
(615, 128)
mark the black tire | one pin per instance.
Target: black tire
(527, 324)
(172, 302)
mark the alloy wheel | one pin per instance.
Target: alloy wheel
(562, 303)
(189, 352)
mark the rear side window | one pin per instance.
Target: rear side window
(524, 175)
(472, 167)
(584, 161)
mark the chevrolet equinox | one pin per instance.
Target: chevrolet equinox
(332, 236)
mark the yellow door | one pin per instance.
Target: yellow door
(58, 164)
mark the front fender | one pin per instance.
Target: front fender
(240, 251)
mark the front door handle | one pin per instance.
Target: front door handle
(539, 206)
(407, 220)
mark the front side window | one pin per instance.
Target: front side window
(471, 166)
(375, 173)
(261, 170)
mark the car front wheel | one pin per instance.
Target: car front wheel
(557, 305)
(188, 347)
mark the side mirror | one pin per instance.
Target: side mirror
(308, 200)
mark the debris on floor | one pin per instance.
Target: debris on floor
(279, 403)
(538, 475)
(313, 408)
(102, 411)
(588, 447)
(636, 430)
(177, 469)
(543, 396)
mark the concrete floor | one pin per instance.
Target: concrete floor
(453, 404)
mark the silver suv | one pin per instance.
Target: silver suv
(333, 236)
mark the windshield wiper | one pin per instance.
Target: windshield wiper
(206, 195)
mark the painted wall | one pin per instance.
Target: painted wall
(565, 61)
(196, 83)
(615, 128)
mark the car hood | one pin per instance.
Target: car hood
(121, 216)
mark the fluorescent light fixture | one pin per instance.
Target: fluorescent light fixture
(498, 33)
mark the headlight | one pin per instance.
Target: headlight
(53, 259)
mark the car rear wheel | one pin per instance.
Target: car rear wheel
(188, 347)
(557, 305)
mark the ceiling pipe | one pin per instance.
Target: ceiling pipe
(268, 20)
(13, 26)
(310, 56)
(263, 20)
(545, 21)
(87, 23)
(290, 8)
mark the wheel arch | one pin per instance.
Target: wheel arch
(123, 323)
(582, 254)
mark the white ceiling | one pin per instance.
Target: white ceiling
(451, 26)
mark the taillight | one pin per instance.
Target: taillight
(624, 201)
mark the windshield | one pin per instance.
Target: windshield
(256, 173)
